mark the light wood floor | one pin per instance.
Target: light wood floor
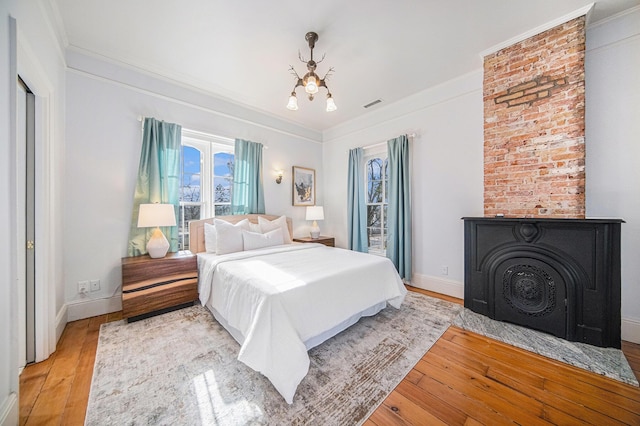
(464, 379)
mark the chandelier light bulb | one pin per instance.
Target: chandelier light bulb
(331, 105)
(312, 85)
(293, 102)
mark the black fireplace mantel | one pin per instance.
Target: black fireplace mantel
(560, 276)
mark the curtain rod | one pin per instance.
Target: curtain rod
(410, 135)
(195, 132)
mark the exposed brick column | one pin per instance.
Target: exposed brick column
(534, 150)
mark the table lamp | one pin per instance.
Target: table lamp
(157, 215)
(315, 213)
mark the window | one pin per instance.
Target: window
(376, 180)
(206, 179)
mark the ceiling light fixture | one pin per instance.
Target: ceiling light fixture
(310, 80)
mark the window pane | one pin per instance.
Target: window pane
(384, 221)
(190, 184)
(374, 192)
(222, 210)
(223, 164)
(222, 190)
(374, 237)
(373, 216)
(374, 169)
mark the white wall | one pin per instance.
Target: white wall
(447, 173)
(8, 349)
(612, 70)
(102, 154)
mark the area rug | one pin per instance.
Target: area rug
(608, 362)
(180, 368)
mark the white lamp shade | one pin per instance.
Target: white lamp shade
(293, 102)
(315, 213)
(312, 85)
(156, 215)
(331, 104)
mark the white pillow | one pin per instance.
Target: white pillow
(269, 225)
(210, 238)
(229, 236)
(255, 227)
(255, 240)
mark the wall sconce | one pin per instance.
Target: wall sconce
(279, 174)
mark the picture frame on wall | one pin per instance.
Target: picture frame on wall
(303, 186)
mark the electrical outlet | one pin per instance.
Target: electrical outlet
(83, 287)
(445, 270)
(94, 285)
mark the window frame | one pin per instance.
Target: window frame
(208, 145)
(370, 154)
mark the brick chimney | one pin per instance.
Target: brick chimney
(534, 146)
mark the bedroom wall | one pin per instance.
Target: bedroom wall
(8, 339)
(448, 160)
(447, 172)
(612, 136)
(103, 145)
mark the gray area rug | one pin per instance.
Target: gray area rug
(608, 362)
(180, 368)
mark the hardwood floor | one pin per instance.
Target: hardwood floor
(465, 379)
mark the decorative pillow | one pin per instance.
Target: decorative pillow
(210, 238)
(269, 225)
(229, 236)
(255, 227)
(255, 240)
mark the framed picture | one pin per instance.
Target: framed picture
(304, 186)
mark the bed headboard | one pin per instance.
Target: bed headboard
(196, 228)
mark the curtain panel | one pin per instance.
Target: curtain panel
(356, 207)
(158, 180)
(248, 192)
(399, 208)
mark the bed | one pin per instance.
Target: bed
(281, 300)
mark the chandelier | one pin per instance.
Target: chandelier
(310, 80)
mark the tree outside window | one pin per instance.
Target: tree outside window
(377, 184)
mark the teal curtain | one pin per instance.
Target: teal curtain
(399, 208)
(158, 180)
(356, 207)
(248, 193)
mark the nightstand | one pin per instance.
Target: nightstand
(327, 241)
(154, 286)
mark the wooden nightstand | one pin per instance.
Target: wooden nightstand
(154, 286)
(327, 241)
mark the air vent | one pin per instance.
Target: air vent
(372, 103)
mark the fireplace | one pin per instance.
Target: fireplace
(559, 276)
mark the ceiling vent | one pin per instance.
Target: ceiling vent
(372, 103)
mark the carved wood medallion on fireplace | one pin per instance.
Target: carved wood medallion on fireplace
(560, 276)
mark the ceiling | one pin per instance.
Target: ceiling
(241, 50)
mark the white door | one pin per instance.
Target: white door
(25, 167)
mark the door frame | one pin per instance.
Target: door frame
(46, 183)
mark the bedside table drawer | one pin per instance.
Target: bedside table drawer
(153, 295)
(327, 241)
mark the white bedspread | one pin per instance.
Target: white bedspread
(280, 297)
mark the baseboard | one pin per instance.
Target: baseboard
(81, 309)
(631, 330)
(439, 285)
(61, 321)
(9, 410)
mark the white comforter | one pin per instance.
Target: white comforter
(280, 297)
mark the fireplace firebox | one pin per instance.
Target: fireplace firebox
(559, 276)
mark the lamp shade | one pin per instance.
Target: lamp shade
(315, 213)
(156, 215)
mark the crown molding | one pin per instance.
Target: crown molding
(537, 30)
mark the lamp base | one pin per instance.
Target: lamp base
(315, 230)
(157, 246)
